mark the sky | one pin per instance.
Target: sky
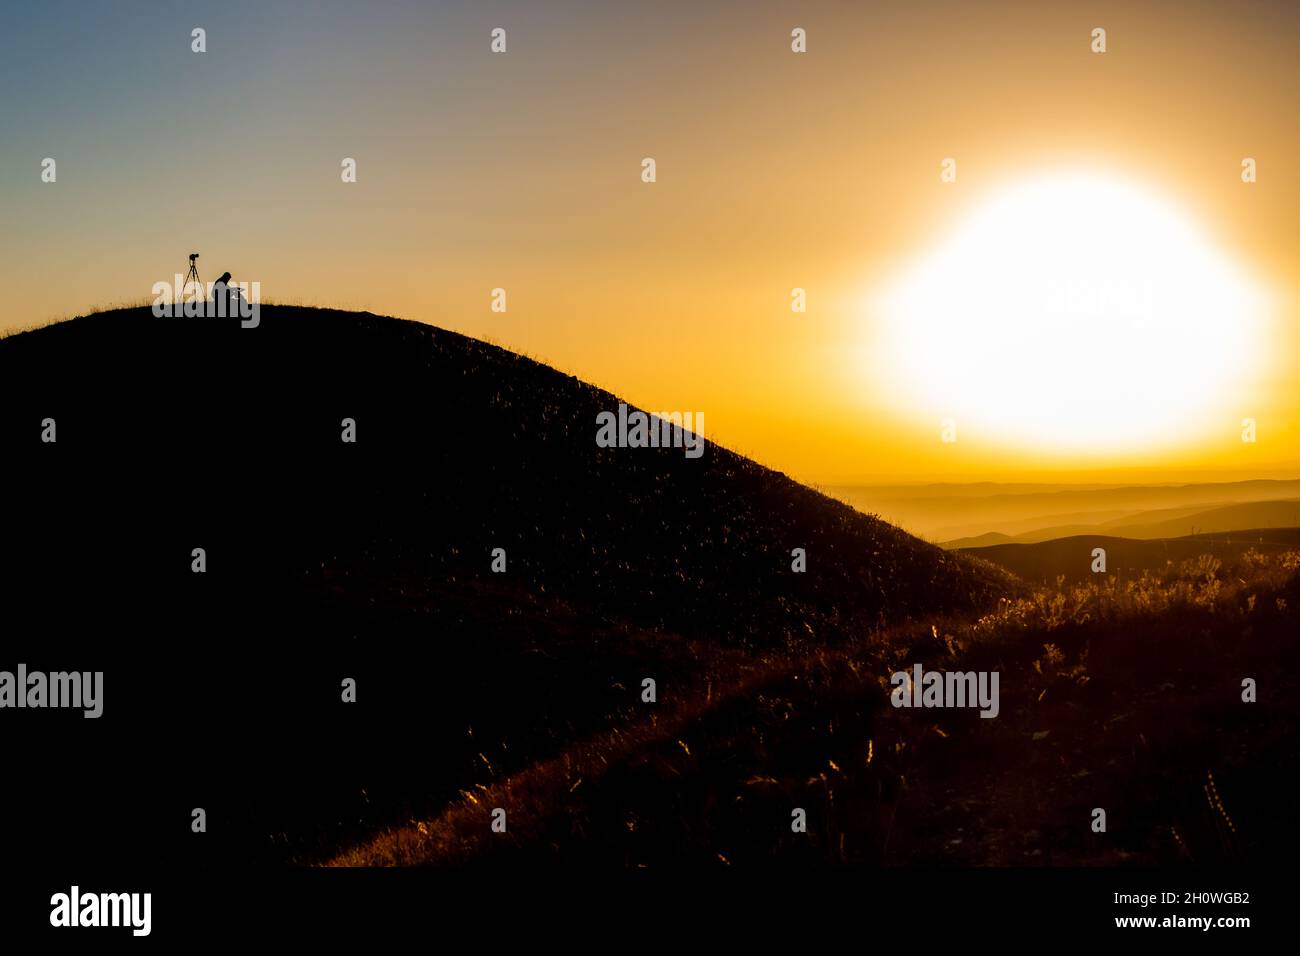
(774, 171)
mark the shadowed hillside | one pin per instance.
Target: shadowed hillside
(371, 561)
(1124, 695)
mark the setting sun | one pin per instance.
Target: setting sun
(1073, 311)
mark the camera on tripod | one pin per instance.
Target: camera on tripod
(192, 275)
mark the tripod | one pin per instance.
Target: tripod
(192, 274)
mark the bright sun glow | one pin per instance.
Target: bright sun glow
(1075, 312)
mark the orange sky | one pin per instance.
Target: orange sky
(775, 171)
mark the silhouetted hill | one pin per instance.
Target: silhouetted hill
(328, 560)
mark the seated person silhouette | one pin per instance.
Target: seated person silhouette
(225, 296)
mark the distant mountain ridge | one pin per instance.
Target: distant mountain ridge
(955, 513)
(1148, 525)
(1071, 557)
